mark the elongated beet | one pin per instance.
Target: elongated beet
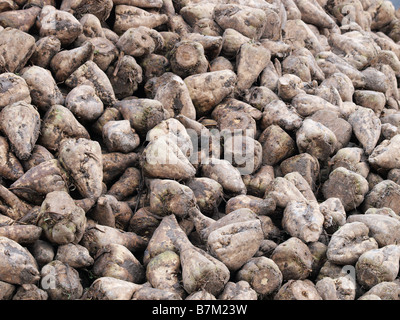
(20, 122)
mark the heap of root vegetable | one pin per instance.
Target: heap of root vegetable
(189, 149)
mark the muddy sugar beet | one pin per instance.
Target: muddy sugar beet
(199, 150)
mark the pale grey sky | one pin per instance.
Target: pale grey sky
(396, 3)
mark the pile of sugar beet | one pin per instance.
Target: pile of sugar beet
(202, 150)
